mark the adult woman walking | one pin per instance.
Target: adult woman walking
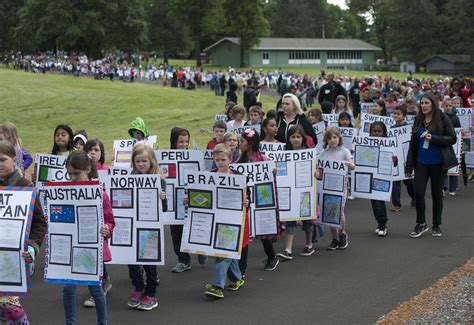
(430, 154)
(292, 115)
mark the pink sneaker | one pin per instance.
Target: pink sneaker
(148, 303)
(12, 310)
(135, 298)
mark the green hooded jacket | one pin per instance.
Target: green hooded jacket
(138, 124)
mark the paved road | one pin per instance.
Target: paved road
(355, 286)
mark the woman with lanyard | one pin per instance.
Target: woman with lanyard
(292, 114)
(430, 155)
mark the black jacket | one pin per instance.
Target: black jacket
(300, 119)
(330, 91)
(444, 139)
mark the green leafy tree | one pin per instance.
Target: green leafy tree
(246, 20)
(8, 21)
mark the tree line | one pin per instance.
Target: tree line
(403, 29)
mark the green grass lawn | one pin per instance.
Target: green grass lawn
(37, 103)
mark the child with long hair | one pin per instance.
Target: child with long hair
(95, 149)
(63, 140)
(378, 129)
(82, 168)
(179, 139)
(10, 175)
(269, 130)
(9, 132)
(143, 294)
(296, 140)
(249, 146)
(334, 150)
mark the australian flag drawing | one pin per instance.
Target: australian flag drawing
(62, 213)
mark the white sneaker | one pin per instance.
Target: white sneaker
(89, 303)
(452, 193)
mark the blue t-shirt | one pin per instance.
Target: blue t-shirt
(430, 156)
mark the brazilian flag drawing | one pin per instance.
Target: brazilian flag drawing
(200, 199)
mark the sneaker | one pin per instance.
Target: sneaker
(396, 209)
(213, 292)
(234, 286)
(452, 193)
(412, 203)
(382, 231)
(334, 245)
(350, 197)
(106, 285)
(148, 303)
(343, 242)
(436, 231)
(377, 230)
(202, 259)
(420, 228)
(135, 298)
(286, 256)
(271, 264)
(89, 303)
(307, 251)
(180, 268)
(444, 193)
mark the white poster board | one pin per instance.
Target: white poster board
(262, 195)
(348, 135)
(51, 168)
(403, 136)
(367, 119)
(331, 119)
(373, 159)
(16, 212)
(216, 216)
(319, 129)
(123, 150)
(332, 190)
(208, 159)
(176, 165)
(465, 117)
(75, 215)
(368, 108)
(296, 185)
(271, 146)
(138, 236)
(457, 151)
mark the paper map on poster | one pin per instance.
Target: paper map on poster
(17, 205)
(138, 236)
(262, 197)
(73, 252)
(214, 225)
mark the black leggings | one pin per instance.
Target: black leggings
(436, 175)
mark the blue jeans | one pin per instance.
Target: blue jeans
(69, 303)
(224, 267)
(450, 183)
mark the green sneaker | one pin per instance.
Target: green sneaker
(213, 292)
(180, 268)
(234, 286)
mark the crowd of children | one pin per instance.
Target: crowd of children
(237, 141)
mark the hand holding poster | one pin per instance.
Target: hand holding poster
(373, 159)
(263, 215)
(176, 165)
(332, 189)
(138, 235)
(216, 216)
(74, 245)
(16, 213)
(123, 150)
(296, 185)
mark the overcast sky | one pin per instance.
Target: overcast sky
(340, 3)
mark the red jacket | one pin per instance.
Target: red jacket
(109, 221)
